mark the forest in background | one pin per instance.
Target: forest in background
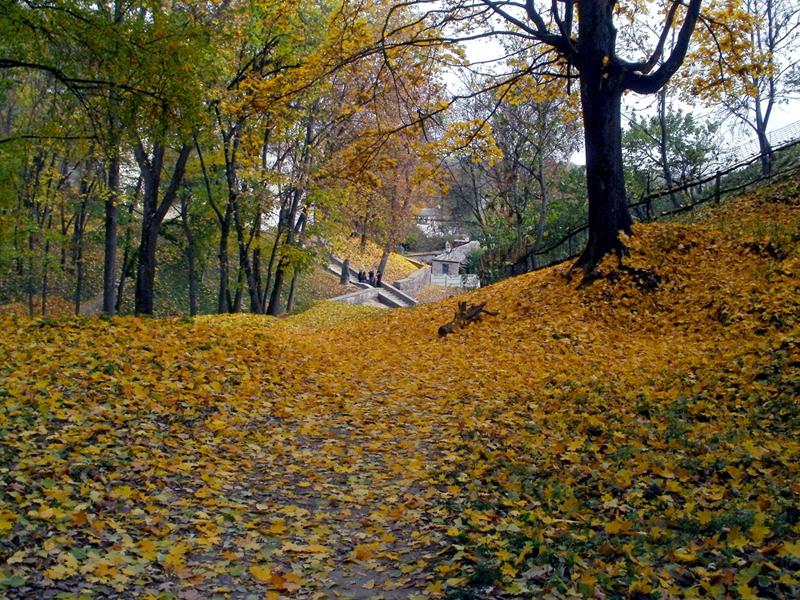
(184, 157)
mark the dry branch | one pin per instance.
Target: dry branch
(464, 316)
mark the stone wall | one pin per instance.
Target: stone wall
(415, 282)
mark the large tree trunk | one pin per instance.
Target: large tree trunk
(601, 98)
(110, 244)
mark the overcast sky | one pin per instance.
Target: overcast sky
(783, 115)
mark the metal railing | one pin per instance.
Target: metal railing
(669, 202)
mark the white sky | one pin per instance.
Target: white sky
(782, 115)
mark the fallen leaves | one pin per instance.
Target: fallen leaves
(610, 440)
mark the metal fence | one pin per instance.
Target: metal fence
(465, 280)
(679, 199)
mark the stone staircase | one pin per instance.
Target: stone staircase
(386, 295)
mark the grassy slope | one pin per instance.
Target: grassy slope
(609, 441)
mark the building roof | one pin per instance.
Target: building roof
(460, 253)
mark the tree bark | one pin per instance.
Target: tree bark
(223, 297)
(77, 248)
(540, 178)
(662, 145)
(127, 259)
(244, 258)
(601, 99)
(296, 273)
(297, 193)
(387, 250)
(224, 220)
(110, 244)
(45, 265)
(764, 147)
(152, 218)
(190, 254)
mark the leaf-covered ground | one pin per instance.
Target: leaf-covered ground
(368, 259)
(622, 440)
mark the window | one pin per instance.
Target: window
(445, 268)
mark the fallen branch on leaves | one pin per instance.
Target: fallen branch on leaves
(464, 316)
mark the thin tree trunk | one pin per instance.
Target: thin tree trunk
(45, 265)
(237, 301)
(244, 259)
(224, 297)
(292, 292)
(662, 146)
(296, 274)
(384, 260)
(542, 210)
(224, 220)
(256, 262)
(127, 259)
(62, 214)
(77, 252)
(272, 257)
(110, 244)
(31, 284)
(190, 254)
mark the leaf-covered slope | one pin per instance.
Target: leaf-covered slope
(613, 440)
(368, 259)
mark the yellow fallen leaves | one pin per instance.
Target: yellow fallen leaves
(617, 526)
(285, 582)
(7, 520)
(364, 551)
(305, 548)
(176, 557)
(605, 441)
(261, 573)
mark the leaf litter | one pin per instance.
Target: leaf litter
(617, 440)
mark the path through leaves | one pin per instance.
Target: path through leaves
(612, 441)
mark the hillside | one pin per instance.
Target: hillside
(634, 438)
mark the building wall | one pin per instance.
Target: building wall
(437, 268)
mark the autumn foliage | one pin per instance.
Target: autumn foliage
(625, 439)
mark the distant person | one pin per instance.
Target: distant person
(371, 279)
(378, 279)
(362, 277)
